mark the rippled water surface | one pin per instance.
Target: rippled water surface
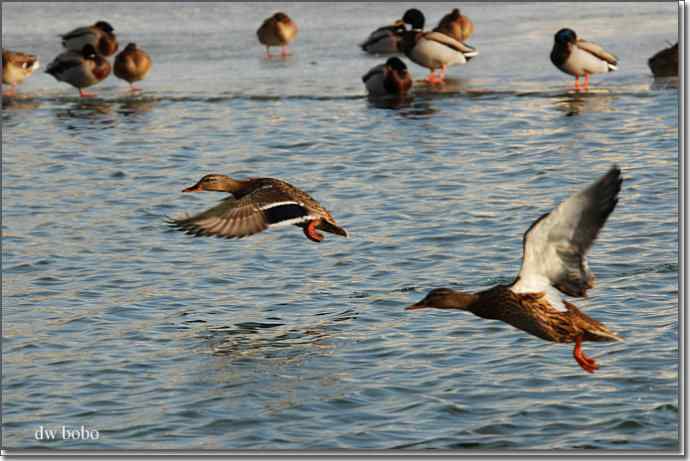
(155, 339)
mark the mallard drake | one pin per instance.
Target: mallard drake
(384, 40)
(80, 69)
(553, 262)
(432, 50)
(257, 204)
(665, 62)
(99, 35)
(388, 79)
(132, 65)
(456, 25)
(16, 67)
(278, 30)
(579, 57)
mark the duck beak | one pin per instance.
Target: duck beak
(419, 305)
(195, 188)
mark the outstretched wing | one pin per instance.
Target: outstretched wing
(265, 207)
(597, 51)
(555, 246)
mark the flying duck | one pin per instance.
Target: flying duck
(384, 40)
(456, 25)
(256, 204)
(81, 69)
(554, 261)
(278, 30)
(665, 62)
(432, 50)
(15, 68)
(579, 57)
(132, 65)
(100, 35)
(388, 79)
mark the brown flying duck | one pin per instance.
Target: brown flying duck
(278, 30)
(257, 204)
(553, 262)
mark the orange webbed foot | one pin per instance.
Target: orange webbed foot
(588, 364)
(311, 233)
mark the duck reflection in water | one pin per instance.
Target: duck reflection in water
(581, 103)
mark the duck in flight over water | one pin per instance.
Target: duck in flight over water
(554, 261)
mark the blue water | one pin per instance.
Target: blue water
(158, 340)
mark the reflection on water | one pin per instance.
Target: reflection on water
(577, 103)
(664, 83)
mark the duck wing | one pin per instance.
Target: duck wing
(376, 70)
(597, 51)
(555, 246)
(64, 62)
(265, 207)
(450, 42)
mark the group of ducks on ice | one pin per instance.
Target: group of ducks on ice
(555, 246)
(84, 62)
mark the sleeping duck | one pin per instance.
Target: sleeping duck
(99, 35)
(80, 69)
(579, 57)
(388, 79)
(15, 68)
(432, 50)
(384, 40)
(255, 205)
(456, 25)
(665, 62)
(132, 65)
(278, 30)
(554, 262)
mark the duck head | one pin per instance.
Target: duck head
(565, 36)
(454, 15)
(414, 18)
(104, 26)
(131, 46)
(215, 182)
(396, 65)
(281, 17)
(444, 298)
(88, 51)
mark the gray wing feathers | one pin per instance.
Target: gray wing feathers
(597, 51)
(556, 245)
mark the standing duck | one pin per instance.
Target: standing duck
(456, 25)
(257, 204)
(553, 262)
(388, 79)
(432, 50)
(81, 69)
(665, 62)
(99, 35)
(15, 68)
(579, 57)
(132, 65)
(384, 40)
(278, 30)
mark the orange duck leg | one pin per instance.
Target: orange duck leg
(587, 364)
(311, 233)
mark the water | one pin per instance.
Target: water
(159, 340)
